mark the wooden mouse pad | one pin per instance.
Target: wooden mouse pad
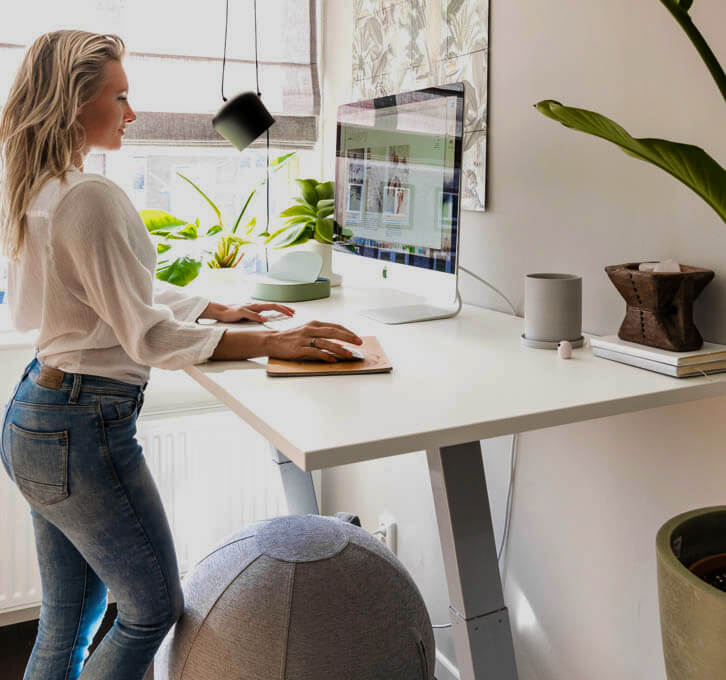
(375, 362)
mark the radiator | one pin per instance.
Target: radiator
(215, 476)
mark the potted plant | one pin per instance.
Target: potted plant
(187, 249)
(691, 552)
(689, 164)
(310, 221)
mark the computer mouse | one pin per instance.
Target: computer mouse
(357, 356)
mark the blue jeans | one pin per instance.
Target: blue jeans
(70, 447)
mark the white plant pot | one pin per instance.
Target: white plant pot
(219, 281)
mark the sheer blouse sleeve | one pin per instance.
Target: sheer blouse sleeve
(108, 263)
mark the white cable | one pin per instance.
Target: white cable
(510, 496)
(496, 290)
(513, 449)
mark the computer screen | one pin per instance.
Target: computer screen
(398, 173)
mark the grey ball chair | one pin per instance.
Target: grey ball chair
(300, 598)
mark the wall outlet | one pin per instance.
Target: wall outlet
(387, 532)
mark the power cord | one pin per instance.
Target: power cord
(513, 450)
(489, 285)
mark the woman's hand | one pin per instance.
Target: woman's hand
(250, 312)
(309, 341)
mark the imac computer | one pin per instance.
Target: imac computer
(397, 191)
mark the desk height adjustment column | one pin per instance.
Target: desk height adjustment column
(480, 622)
(297, 486)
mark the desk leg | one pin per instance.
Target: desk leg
(479, 619)
(297, 485)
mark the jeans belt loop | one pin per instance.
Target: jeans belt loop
(76, 389)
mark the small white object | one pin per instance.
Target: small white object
(647, 266)
(564, 350)
(669, 266)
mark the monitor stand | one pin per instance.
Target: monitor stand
(408, 313)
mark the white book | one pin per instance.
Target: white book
(709, 351)
(717, 366)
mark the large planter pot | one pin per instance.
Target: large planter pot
(692, 611)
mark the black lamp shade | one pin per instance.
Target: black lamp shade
(242, 119)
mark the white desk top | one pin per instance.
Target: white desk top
(453, 381)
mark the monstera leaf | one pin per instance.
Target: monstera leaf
(689, 164)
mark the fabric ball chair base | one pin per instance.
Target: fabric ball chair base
(692, 611)
(303, 598)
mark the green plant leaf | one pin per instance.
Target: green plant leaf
(325, 212)
(214, 230)
(324, 230)
(162, 247)
(180, 272)
(303, 238)
(325, 190)
(159, 219)
(190, 231)
(244, 207)
(685, 5)
(206, 198)
(298, 210)
(285, 236)
(326, 202)
(298, 219)
(281, 159)
(250, 226)
(689, 164)
(308, 192)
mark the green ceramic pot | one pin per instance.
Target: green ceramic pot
(692, 612)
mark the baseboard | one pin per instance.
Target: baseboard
(445, 670)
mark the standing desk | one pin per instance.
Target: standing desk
(454, 382)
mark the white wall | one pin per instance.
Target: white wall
(580, 578)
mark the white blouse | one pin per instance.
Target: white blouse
(85, 279)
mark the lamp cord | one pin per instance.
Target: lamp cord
(257, 66)
(224, 56)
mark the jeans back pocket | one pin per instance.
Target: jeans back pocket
(40, 463)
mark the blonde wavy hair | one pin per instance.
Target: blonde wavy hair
(40, 135)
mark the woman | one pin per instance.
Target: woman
(82, 272)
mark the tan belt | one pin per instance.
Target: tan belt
(50, 377)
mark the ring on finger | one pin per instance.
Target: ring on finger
(312, 342)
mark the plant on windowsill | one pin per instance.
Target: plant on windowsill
(310, 221)
(689, 164)
(186, 250)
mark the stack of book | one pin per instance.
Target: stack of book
(711, 358)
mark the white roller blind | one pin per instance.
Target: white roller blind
(174, 60)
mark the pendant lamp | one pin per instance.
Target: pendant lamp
(243, 118)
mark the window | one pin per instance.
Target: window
(174, 66)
